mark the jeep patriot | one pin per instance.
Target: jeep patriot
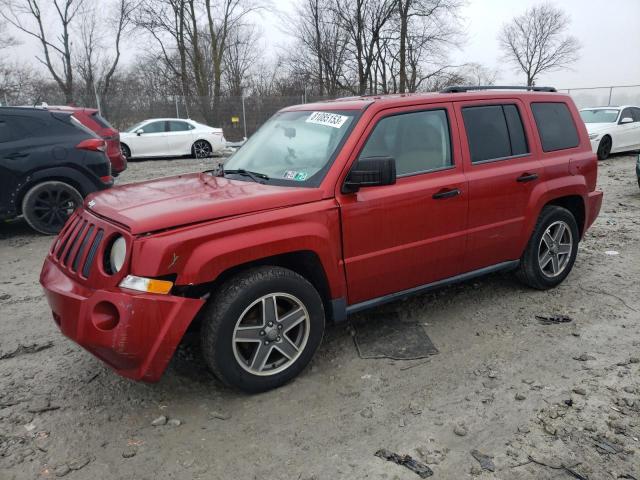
(328, 209)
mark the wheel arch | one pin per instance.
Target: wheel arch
(575, 204)
(59, 174)
(305, 263)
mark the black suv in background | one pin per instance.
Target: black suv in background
(48, 163)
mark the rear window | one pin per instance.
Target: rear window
(101, 121)
(494, 132)
(555, 125)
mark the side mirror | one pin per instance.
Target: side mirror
(139, 132)
(370, 172)
(626, 120)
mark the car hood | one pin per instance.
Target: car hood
(186, 199)
(599, 127)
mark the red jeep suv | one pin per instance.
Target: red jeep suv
(329, 209)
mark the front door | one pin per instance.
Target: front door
(629, 135)
(502, 171)
(150, 140)
(397, 237)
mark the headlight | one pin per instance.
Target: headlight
(117, 254)
(593, 136)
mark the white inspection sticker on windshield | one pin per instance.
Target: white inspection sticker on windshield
(327, 119)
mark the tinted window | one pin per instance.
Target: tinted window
(154, 127)
(636, 114)
(487, 132)
(22, 126)
(516, 130)
(555, 125)
(5, 131)
(418, 141)
(178, 126)
(101, 121)
(627, 113)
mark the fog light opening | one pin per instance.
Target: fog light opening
(105, 316)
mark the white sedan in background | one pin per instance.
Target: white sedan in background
(612, 129)
(171, 137)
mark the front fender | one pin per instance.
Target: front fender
(199, 254)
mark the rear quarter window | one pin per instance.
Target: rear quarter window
(101, 121)
(555, 126)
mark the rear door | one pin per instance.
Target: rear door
(179, 137)
(396, 237)
(502, 170)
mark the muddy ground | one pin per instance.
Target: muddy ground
(554, 401)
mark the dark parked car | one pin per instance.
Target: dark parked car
(48, 163)
(91, 118)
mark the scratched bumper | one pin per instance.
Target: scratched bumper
(135, 334)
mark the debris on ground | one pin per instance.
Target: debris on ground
(486, 461)
(161, 420)
(422, 470)
(460, 429)
(553, 319)
(583, 357)
(26, 349)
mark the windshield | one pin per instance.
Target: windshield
(601, 115)
(135, 127)
(293, 146)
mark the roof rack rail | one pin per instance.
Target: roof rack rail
(466, 88)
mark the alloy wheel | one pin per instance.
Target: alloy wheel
(53, 207)
(202, 149)
(554, 250)
(271, 334)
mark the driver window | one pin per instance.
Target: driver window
(153, 127)
(419, 141)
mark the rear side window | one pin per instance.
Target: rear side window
(101, 121)
(5, 131)
(175, 126)
(555, 125)
(494, 132)
(418, 141)
(23, 126)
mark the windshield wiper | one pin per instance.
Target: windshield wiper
(248, 173)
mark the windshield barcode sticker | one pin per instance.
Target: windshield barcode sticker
(327, 119)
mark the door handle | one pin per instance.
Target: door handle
(15, 155)
(454, 192)
(527, 177)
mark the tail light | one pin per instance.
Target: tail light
(95, 144)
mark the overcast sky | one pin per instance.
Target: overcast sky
(609, 31)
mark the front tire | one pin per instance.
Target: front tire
(552, 249)
(261, 328)
(47, 206)
(604, 148)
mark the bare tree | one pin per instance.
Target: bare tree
(56, 49)
(6, 40)
(241, 54)
(536, 42)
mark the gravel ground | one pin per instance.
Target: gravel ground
(539, 401)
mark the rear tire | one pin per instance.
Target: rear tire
(252, 346)
(125, 150)
(47, 206)
(552, 249)
(604, 148)
(201, 149)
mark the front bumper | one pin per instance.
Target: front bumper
(135, 334)
(595, 144)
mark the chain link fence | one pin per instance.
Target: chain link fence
(240, 117)
(605, 96)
